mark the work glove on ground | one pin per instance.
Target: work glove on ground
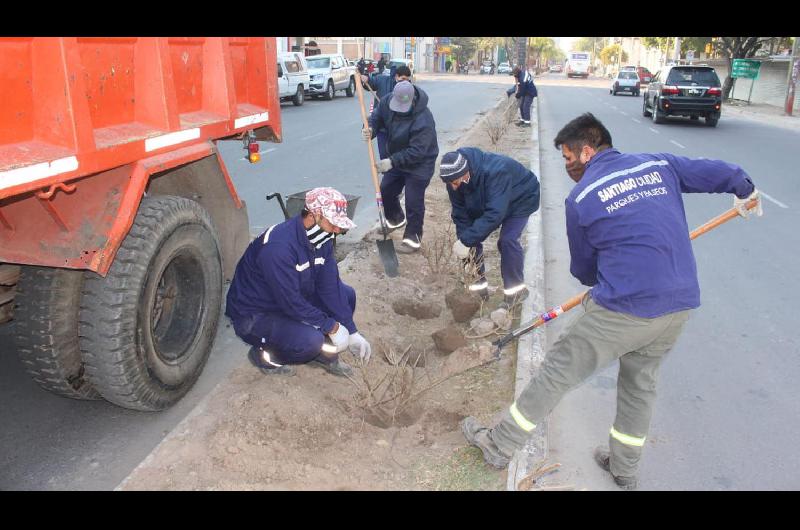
(460, 250)
(384, 165)
(741, 204)
(366, 133)
(340, 339)
(360, 347)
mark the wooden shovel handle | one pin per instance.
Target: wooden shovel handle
(365, 123)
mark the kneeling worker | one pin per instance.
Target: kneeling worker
(286, 299)
(487, 191)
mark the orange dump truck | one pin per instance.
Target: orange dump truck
(118, 220)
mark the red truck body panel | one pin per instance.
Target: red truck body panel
(85, 122)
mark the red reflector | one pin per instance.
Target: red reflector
(667, 90)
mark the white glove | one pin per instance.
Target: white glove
(740, 204)
(340, 338)
(360, 347)
(460, 250)
(384, 165)
(366, 133)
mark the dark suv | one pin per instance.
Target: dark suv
(692, 91)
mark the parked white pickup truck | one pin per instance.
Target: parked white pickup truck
(293, 79)
(329, 73)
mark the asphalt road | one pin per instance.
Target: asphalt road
(53, 443)
(723, 419)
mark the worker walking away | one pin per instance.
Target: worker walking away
(286, 299)
(488, 191)
(411, 151)
(383, 85)
(525, 91)
(629, 240)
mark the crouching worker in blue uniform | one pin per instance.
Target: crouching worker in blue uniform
(488, 191)
(628, 240)
(286, 299)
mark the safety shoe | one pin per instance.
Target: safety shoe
(407, 247)
(603, 458)
(260, 359)
(481, 438)
(510, 300)
(524, 123)
(390, 228)
(336, 367)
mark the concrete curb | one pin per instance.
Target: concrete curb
(531, 347)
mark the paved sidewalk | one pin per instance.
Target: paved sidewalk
(762, 113)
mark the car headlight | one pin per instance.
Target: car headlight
(316, 77)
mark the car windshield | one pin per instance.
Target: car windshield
(503, 64)
(628, 75)
(322, 62)
(693, 76)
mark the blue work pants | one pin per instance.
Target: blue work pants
(512, 257)
(392, 185)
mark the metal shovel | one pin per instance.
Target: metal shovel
(386, 247)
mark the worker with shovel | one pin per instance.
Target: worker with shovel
(488, 191)
(286, 299)
(628, 238)
(411, 151)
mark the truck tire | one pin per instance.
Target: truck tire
(351, 87)
(147, 328)
(299, 96)
(330, 91)
(46, 333)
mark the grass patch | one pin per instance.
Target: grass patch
(464, 470)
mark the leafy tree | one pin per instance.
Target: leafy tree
(464, 48)
(737, 48)
(538, 46)
(610, 54)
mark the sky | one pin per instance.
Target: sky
(565, 43)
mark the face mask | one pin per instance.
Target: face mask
(575, 170)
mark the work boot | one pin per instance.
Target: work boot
(409, 246)
(603, 458)
(391, 227)
(481, 437)
(510, 300)
(483, 291)
(335, 366)
(260, 358)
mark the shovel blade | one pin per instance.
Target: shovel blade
(388, 257)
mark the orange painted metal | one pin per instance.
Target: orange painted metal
(104, 113)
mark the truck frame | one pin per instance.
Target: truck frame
(119, 221)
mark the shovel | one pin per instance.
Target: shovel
(575, 300)
(386, 247)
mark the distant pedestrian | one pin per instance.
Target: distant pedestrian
(633, 248)
(381, 64)
(410, 161)
(525, 91)
(448, 65)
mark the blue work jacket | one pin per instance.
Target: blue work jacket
(499, 187)
(627, 229)
(281, 272)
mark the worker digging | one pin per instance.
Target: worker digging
(286, 299)
(626, 226)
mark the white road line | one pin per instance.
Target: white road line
(271, 150)
(312, 136)
(623, 113)
(676, 143)
(637, 121)
(655, 131)
(776, 201)
(613, 107)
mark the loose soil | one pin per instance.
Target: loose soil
(316, 431)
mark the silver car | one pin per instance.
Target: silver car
(625, 81)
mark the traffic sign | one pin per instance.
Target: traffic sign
(746, 68)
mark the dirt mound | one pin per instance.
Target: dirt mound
(462, 304)
(449, 339)
(421, 310)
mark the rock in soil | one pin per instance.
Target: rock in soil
(418, 310)
(449, 339)
(501, 318)
(467, 357)
(462, 304)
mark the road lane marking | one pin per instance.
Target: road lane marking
(637, 121)
(623, 113)
(614, 107)
(655, 131)
(679, 145)
(776, 201)
(271, 150)
(312, 136)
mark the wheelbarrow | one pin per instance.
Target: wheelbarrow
(295, 202)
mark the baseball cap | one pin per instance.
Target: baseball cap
(452, 166)
(402, 97)
(332, 204)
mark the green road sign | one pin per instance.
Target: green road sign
(746, 68)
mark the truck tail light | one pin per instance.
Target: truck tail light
(251, 144)
(670, 90)
(714, 92)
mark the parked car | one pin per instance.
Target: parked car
(644, 74)
(504, 68)
(693, 91)
(399, 62)
(555, 69)
(293, 78)
(487, 67)
(330, 73)
(625, 81)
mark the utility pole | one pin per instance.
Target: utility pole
(792, 78)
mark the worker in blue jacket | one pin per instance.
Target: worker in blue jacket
(488, 191)
(629, 241)
(411, 151)
(286, 299)
(383, 85)
(525, 91)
